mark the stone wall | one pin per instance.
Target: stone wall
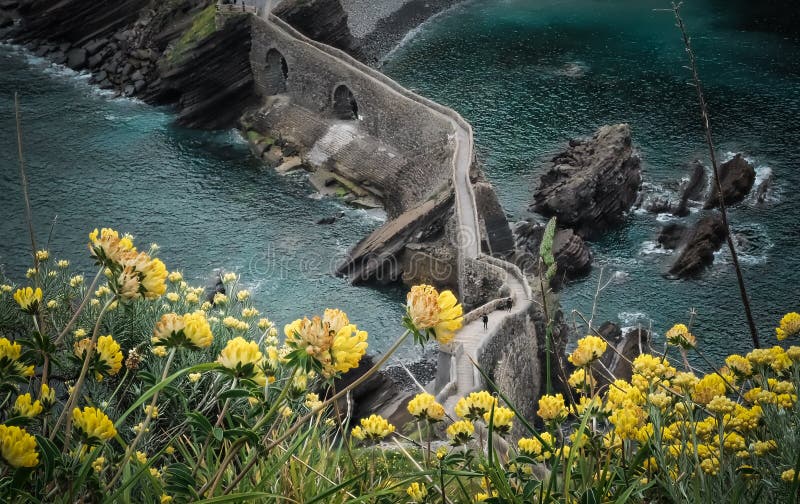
(310, 75)
(481, 282)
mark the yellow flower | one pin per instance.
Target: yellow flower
(436, 314)
(652, 367)
(579, 380)
(191, 298)
(789, 326)
(42, 255)
(441, 452)
(475, 405)
(173, 297)
(26, 406)
(589, 349)
(709, 387)
(93, 424)
(229, 277)
(349, 346)
(109, 355)
(552, 408)
(141, 457)
(793, 352)
(159, 351)
(175, 276)
(32, 272)
(169, 450)
(244, 359)
(249, 312)
(502, 421)
(721, 405)
(10, 350)
(165, 499)
(424, 407)
(710, 466)
(740, 366)
(5, 288)
(417, 491)
(627, 421)
(531, 447)
(190, 330)
(17, 447)
(98, 464)
(194, 377)
(376, 427)
(243, 295)
(76, 281)
(761, 448)
(107, 247)
(312, 401)
(47, 395)
(680, 336)
(52, 304)
(220, 298)
(460, 432)
(28, 299)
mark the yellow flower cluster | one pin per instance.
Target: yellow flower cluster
(552, 408)
(680, 336)
(28, 299)
(373, 428)
(460, 432)
(475, 405)
(244, 359)
(789, 326)
(10, 355)
(94, 425)
(190, 330)
(431, 313)
(424, 407)
(589, 349)
(417, 491)
(330, 344)
(17, 447)
(132, 274)
(26, 406)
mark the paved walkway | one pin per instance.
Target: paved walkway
(471, 336)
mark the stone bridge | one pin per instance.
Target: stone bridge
(417, 155)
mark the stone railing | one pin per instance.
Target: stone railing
(236, 9)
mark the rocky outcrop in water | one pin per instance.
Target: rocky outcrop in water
(572, 255)
(736, 177)
(593, 183)
(705, 238)
(693, 189)
(626, 346)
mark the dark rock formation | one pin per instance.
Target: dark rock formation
(702, 241)
(593, 183)
(762, 191)
(736, 177)
(672, 235)
(322, 20)
(498, 239)
(214, 94)
(330, 219)
(693, 189)
(572, 255)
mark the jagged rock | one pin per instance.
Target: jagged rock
(672, 235)
(736, 177)
(94, 46)
(76, 59)
(625, 349)
(762, 191)
(693, 189)
(59, 58)
(129, 90)
(101, 76)
(8, 5)
(593, 183)
(5, 22)
(572, 255)
(331, 219)
(139, 85)
(42, 50)
(137, 76)
(658, 204)
(702, 241)
(322, 20)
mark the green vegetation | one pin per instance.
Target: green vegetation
(204, 24)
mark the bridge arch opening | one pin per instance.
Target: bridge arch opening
(277, 72)
(345, 106)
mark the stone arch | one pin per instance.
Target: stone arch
(276, 72)
(345, 106)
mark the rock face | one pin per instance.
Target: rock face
(702, 241)
(630, 345)
(672, 235)
(736, 177)
(572, 255)
(693, 189)
(593, 183)
(322, 20)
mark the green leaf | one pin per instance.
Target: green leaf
(50, 455)
(234, 394)
(218, 433)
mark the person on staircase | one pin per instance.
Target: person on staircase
(485, 319)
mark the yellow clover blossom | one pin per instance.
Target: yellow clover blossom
(17, 447)
(94, 425)
(788, 475)
(175, 276)
(63, 264)
(579, 380)
(502, 420)
(107, 247)
(475, 405)
(349, 346)
(375, 427)
(531, 447)
(194, 377)
(424, 407)
(431, 313)
(26, 406)
(243, 295)
(460, 432)
(244, 359)
(589, 349)
(109, 357)
(552, 408)
(680, 336)
(789, 326)
(28, 298)
(98, 464)
(190, 330)
(47, 396)
(740, 366)
(709, 387)
(417, 491)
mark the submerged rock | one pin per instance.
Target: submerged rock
(702, 241)
(693, 189)
(736, 177)
(593, 183)
(572, 255)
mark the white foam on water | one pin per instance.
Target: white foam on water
(666, 217)
(631, 319)
(651, 247)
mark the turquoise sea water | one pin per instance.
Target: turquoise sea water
(529, 75)
(96, 161)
